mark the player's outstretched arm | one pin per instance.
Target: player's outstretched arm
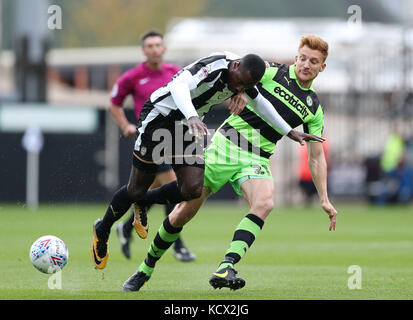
(318, 168)
(180, 91)
(267, 111)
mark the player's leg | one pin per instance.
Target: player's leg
(124, 229)
(187, 161)
(165, 176)
(139, 182)
(188, 186)
(189, 171)
(141, 177)
(180, 251)
(217, 173)
(167, 233)
(165, 237)
(173, 224)
(258, 192)
(119, 205)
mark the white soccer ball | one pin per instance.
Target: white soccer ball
(49, 254)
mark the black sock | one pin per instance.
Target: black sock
(169, 193)
(168, 209)
(127, 226)
(117, 208)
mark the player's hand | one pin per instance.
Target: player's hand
(197, 127)
(332, 214)
(300, 137)
(129, 130)
(237, 104)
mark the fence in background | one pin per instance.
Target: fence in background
(375, 100)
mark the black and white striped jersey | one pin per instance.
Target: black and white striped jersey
(207, 82)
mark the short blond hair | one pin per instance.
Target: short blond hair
(315, 43)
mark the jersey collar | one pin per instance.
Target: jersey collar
(294, 76)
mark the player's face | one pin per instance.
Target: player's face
(239, 79)
(308, 64)
(154, 49)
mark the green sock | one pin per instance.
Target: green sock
(244, 236)
(165, 237)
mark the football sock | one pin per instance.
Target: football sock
(168, 193)
(244, 236)
(168, 209)
(165, 237)
(118, 206)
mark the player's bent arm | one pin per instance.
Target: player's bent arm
(118, 115)
(180, 90)
(266, 110)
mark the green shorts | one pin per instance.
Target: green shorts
(226, 162)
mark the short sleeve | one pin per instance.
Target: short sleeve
(316, 124)
(121, 89)
(270, 71)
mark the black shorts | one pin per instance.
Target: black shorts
(161, 140)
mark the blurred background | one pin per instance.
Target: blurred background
(59, 60)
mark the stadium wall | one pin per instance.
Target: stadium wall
(72, 166)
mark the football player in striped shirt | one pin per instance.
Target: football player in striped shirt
(239, 154)
(140, 82)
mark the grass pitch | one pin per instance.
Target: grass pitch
(294, 256)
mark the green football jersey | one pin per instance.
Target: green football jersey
(296, 105)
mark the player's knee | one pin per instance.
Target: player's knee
(269, 205)
(181, 214)
(179, 220)
(263, 207)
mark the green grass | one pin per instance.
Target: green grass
(294, 257)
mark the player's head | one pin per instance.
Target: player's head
(245, 73)
(153, 47)
(310, 61)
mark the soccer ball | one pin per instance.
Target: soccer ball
(49, 254)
